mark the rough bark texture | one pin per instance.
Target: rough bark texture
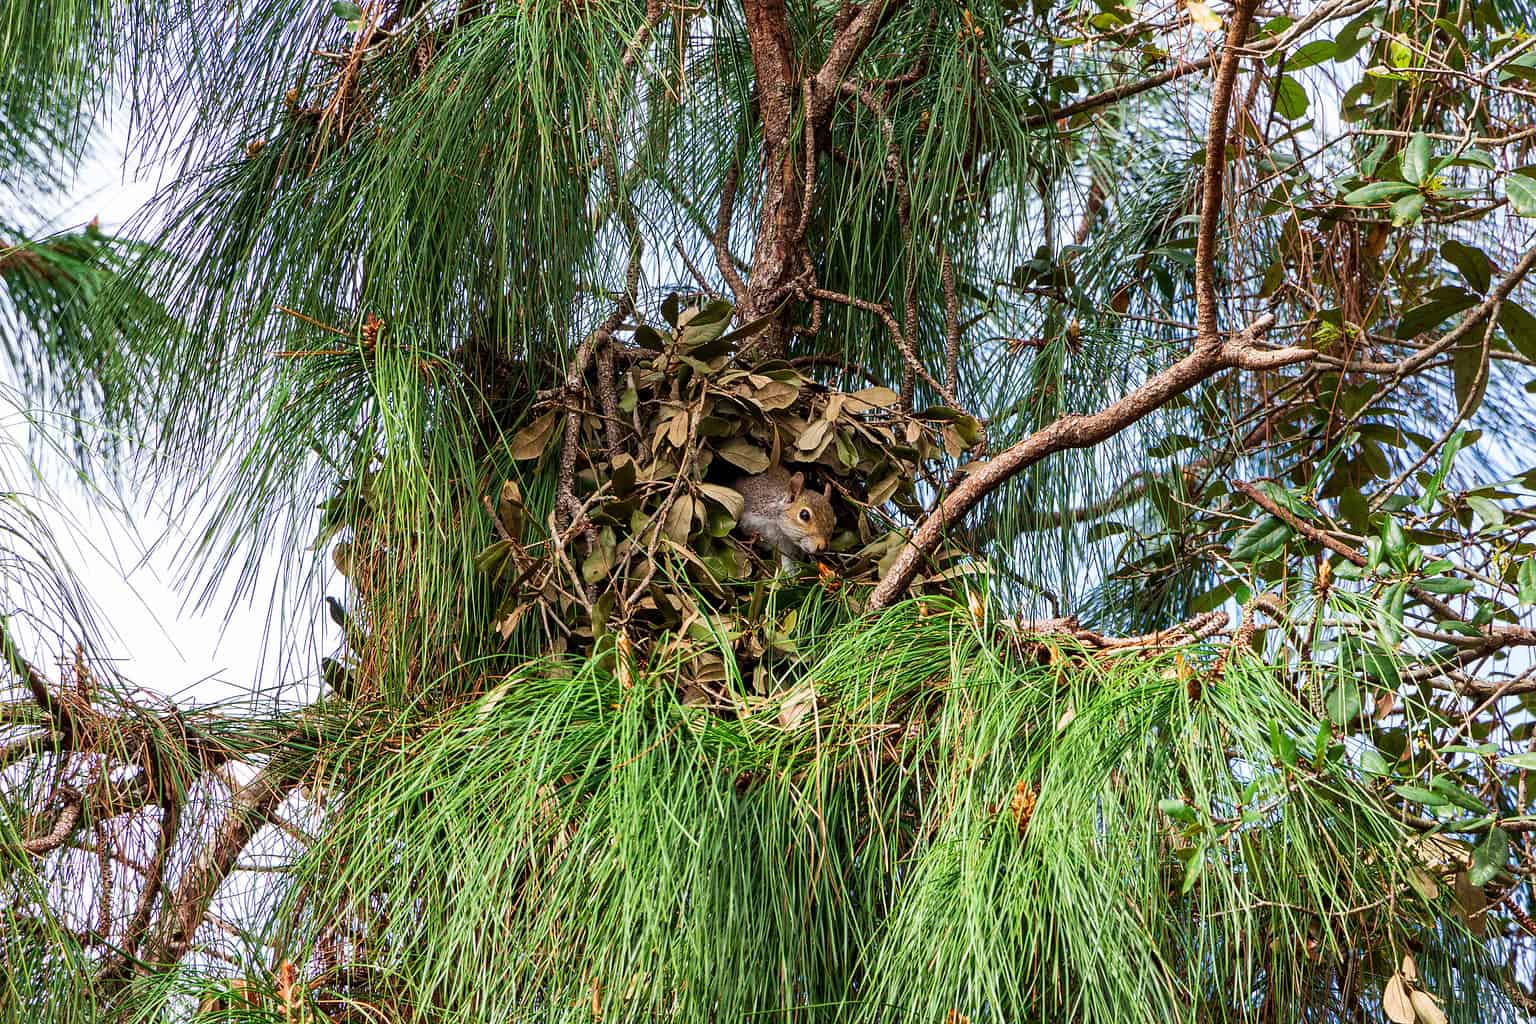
(790, 129)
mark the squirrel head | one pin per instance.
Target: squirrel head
(809, 516)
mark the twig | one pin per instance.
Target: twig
(951, 323)
(1213, 179)
(722, 236)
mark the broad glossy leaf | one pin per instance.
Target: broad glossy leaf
(1416, 159)
(1472, 262)
(1377, 192)
(1519, 327)
(1489, 857)
(1291, 99)
(1522, 193)
(1261, 540)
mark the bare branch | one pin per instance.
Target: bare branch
(1214, 177)
(1077, 431)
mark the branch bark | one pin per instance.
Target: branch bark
(779, 250)
(1078, 431)
(1210, 355)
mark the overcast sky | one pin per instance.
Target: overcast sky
(130, 571)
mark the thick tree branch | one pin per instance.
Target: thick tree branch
(1214, 177)
(1210, 355)
(251, 807)
(1078, 431)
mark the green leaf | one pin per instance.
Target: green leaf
(1519, 327)
(1416, 159)
(1446, 585)
(1394, 544)
(1372, 763)
(1407, 210)
(1525, 761)
(1290, 98)
(1522, 193)
(1456, 795)
(1473, 264)
(1311, 54)
(1527, 581)
(1261, 540)
(1353, 37)
(1343, 704)
(1376, 192)
(1488, 511)
(1470, 373)
(1414, 794)
(346, 11)
(705, 325)
(1489, 857)
(1178, 809)
(1192, 871)
(1444, 303)
(1389, 615)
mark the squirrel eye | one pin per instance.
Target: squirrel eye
(805, 515)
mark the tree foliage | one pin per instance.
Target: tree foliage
(1168, 365)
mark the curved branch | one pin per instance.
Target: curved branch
(1210, 355)
(1213, 178)
(1078, 431)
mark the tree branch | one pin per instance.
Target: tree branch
(1078, 431)
(1214, 177)
(1210, 355)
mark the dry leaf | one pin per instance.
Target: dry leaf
(795, 705)
(1022, 805)
(1202, 17)
(1395, 1001)
(1409, 970)
(726, 497)
(529, 442)
(813, 436)
(1426, 1009)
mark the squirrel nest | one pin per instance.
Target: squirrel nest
(643, 533)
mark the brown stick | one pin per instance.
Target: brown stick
(250, 808)
(1210, 355)
(1214, 177)
(1078, 431)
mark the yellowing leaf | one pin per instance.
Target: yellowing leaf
(813, 435)
(1202, 17)
(727, 498)
(870, 398)
(680, 519)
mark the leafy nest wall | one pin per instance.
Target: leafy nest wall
(640, 536)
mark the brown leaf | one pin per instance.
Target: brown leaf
(529, 442)
(1426, 1009)
(677, 432)
(680, 519)
(1395, 1001)
(871, 398)
(796, 704)
(727, 498)
(776, 395)
(813, 436)
(744, 455)
(881, 490)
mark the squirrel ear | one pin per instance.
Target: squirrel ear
(827, 490)
(796, 485)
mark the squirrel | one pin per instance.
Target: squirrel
(779, 510)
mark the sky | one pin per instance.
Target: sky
(127, 562)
